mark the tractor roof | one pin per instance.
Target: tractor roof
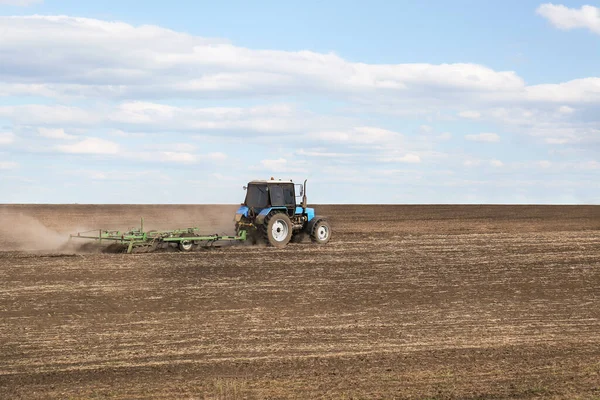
(273, 181)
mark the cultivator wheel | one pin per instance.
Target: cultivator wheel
(186, 245)
(277, 229)
(320, 232)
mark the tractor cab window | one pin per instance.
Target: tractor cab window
(282, 195)
(288, 195)
(257, 196)
(277, 198)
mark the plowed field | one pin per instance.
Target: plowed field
(404, 302)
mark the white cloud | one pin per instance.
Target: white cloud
(544, 164)
(148, 61)
(496, 163)
(20, 3)
(8, 165)
(120, 133)
(322, 153)
(408, 158)
(278, 164)
(469, 114)
(217, 156)
(173, 147)
(483, 137)
(567, 18)
(269, 119)
(366, 135)
(471, 163)
(98, 176)
(90, 146)
(6, 138)
(425, 129)
(585, 90)
(557, 140)
(58, 133)
(566, 110)
(178, 157)
(36, 114)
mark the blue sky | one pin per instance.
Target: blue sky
(373, 102)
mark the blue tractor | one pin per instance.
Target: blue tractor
(270, 214)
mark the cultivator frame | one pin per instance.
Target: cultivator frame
(186, 239)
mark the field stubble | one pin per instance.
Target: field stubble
(405, 301)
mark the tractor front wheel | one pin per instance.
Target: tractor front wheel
(321, 232)
(278, 229)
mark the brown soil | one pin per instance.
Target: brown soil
(404, 302)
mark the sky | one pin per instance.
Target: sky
(401, 102)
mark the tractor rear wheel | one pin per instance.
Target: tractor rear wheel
(321, 232)
(277, 229)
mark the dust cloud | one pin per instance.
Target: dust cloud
(19, 231)
(215, 219)
(47, 227)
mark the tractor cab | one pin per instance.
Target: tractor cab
(267, 194)
(271, 211)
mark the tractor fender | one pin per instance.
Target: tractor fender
(260, 218)
(313, 222)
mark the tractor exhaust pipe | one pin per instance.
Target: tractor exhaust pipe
(304, 198)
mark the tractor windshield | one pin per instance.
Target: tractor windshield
(257, 196)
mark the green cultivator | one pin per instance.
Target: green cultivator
(185, 239)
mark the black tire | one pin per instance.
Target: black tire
(320, 232)
(277, 229)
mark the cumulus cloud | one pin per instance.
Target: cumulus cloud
(90, 146)
(150, 62)
(557, 140)
(567, 18)
(469, 114)
(122, 60)
(566, 110)
(483, 137)
(180, 157)
(544, 164)
(366, 135)
(322, 153)
(265, 119)
(6, 138)
(57, 133)
(217, 156)
(8, 165)
(585, 90)
(37, 114)
(278, 164)
(471, 163)
(169, 155)
(408, 158)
